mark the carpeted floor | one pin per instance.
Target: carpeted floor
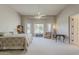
(42, 46)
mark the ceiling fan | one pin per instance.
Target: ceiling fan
(39, 15)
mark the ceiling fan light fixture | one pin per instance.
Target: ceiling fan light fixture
(39, 15)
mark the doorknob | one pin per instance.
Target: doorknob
(72, 40)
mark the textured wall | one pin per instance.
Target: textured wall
(9, 19)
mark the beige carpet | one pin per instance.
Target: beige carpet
(42, 46)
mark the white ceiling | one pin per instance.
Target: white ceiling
(34, 9)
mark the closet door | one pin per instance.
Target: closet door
(75, 41)
(74, 33)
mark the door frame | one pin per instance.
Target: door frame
(69, 28)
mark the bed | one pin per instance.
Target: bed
(17, 41)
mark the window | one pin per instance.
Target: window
(28, 28)
(39, 28)
(49, 27)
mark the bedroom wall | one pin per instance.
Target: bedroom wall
(32, 21)
(9, 19)
(63, 17)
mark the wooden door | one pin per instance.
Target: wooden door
(74, 29)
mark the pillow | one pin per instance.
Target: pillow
(7, 34)
(19, 35)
